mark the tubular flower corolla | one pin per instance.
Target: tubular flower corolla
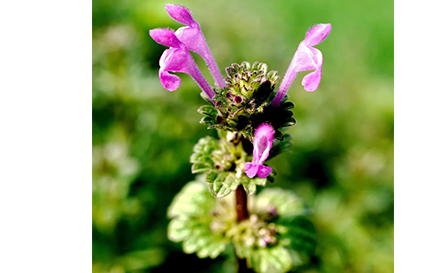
(192, 36)
(306, 58)
(177, 59)
(262, 144)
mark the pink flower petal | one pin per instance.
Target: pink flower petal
(165, 37)
(194, 40)
(304, 59)
(311, 81)
(316, 34)
(317, 56)
(180, 14)
(250, 169)
(264, 171)
(263, 142)
(176, 60)
(169, 81)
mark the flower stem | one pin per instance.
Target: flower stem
(242, 214)
(241, 204)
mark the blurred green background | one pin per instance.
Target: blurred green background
(341, 161)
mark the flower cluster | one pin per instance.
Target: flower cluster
(240, 104)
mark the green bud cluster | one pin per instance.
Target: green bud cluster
(245, 102)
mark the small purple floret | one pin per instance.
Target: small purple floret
(306, 58)
(261, 148)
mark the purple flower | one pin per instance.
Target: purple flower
(306, 58)
(193, 38)
(261, 148)
(177, 59)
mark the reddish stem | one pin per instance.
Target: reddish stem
(242, 214)
(241, 204)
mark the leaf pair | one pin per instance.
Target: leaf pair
(207, 225)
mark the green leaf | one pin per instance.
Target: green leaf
(250, 188)
(279, 135)
(178, 229)
(219, 189)
(287, 105)
(208, 110)
(208, 161)
(200, 168)
(232, 181)
(207, 120)
(250, 183)
(211, 145)
(206, 145)
(191, 221)
(281, 146)
(291, 122)
(260, 181)
(200, 158)
(224, 184)
(193, 199)
(221, 177)
(285, 202)
(211, 176)
(301, 234)
(270, 260)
